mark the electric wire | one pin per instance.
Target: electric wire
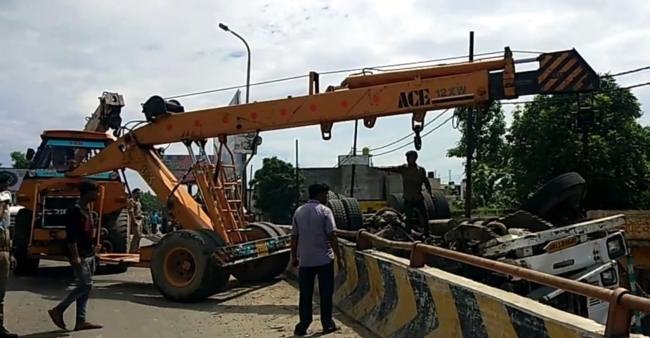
(405, 137)
(411, 142)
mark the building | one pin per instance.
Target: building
(370, 183)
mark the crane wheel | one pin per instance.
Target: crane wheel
(218, 276)
(25, 265)
(340, 217)
(396, 201)
(353, 213)
(265, 268)
(182, 267)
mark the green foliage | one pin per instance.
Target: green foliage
(149, 202)
(18, 160)
(490, 175)
(545, 142)
(276, 189)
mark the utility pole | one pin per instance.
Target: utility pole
(296, 180)
(354, 154)
(469, 136)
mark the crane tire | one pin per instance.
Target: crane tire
(182, 267)
(353, 213)
(25, 265)
(266, 268)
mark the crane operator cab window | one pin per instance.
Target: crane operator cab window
(57, 156)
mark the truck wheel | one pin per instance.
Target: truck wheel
(396, 201)
(25, 265)
(340, 218)
(441, 205)
(332, 195)
(117, 227)
(353, 213)
(181, 266)
(564, 190)
(266, 268)
(430, 206)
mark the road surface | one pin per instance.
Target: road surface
(128, 305)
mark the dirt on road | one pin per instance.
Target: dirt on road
(128, 305)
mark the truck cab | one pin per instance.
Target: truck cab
(46, 193)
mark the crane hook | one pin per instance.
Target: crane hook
(417, 139)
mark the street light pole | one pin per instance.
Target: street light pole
(248, 84)
(248, 51)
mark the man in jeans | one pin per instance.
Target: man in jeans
(313, 245)
(79, 230)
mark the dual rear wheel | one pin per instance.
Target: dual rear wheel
(183, 267)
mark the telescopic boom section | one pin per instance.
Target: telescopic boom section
(413, 91)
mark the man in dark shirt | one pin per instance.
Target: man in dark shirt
(81, 252)
(413, 177)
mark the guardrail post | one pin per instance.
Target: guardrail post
(619, 318)
(418, 257)
(363, 242)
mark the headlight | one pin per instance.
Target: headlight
(615, 247)
(608, 277)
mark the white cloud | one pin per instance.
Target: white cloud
(57, 65)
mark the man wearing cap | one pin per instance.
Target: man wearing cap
(7, 262)
(413, 177)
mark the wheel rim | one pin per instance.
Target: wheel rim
(180, 267)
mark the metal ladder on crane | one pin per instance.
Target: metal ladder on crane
(227, 189)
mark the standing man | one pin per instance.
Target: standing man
(313, 248)
(136, 224)
(413, 177)
(79, 231)
(7, 262)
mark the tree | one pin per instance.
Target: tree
(490, 174)
(149, 202)
(18, 160)
(276, 189)
(613, 158)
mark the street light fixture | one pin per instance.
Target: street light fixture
(248, 50)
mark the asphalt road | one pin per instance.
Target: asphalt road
(128, 305)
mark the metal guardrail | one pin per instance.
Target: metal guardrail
(621, 302)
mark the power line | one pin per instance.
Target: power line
(405, 137)
(338, 71)
(608, 91)
(636, 70)
(409, 143)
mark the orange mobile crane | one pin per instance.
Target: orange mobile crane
(45, 193)
(196, 261)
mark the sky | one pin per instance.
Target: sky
(59, 56)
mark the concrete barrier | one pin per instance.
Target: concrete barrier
(384, 294)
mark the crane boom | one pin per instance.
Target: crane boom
(368, 97)
(107, 114)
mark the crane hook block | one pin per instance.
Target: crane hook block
(326, 130)
(369, 122)
(417, 139)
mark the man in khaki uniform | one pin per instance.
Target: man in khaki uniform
(7, 262)
(413, 177)
(136, 218)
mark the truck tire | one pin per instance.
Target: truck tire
(338, 210)
(266, 268)
(430, 206)
(117, 227)
(396, 201)
(181, 266)
(25, 265)
(332, 195)
(353, 213)
(567, 189)
(441, 205)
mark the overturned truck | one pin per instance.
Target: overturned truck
(589, 251)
